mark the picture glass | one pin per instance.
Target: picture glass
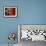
(10, 11)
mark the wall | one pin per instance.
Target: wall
(29, 12)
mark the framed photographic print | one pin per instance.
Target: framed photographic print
(10, 11)
(34, 32)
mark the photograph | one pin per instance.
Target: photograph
(10, 11)
(32, 32)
